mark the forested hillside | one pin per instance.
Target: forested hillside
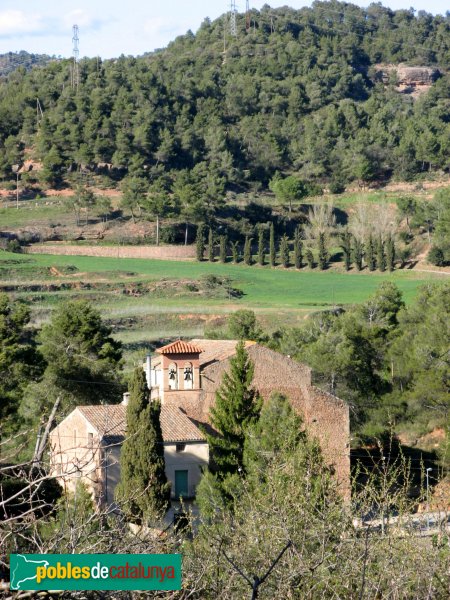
(296, 93)
(11, 61)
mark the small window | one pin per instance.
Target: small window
(180, 447)
(90, 440)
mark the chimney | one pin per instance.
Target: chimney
(126, 399)
(148, 370)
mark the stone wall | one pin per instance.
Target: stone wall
(325, 416)
(156, 252)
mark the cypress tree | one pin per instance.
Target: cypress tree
(143, 490)
(200, 242)
(248, 251)
(210, 245)
(370, 254)
(346, 245)
(298, 249)
(358, 253)
(323, 253)
(390, 253)
(272, 248)
(381, 257)
(236, 408)
(223, 249)
(310, 258)
(284, 251)
(261, 247)
(235, 252)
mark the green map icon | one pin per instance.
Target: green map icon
(24, 570)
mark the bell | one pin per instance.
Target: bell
(172, 374)
(187, 375)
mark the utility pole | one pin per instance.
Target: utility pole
(233, 13)
(247, 15)
(75, 57)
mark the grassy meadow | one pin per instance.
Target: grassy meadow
(150, 300)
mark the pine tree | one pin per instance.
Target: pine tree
(381, 257)
(200, 242)
(358, 253)
(261, 247)
(284, 251)
(390, 253)
(237, 407)
(272, 248)
(210, 245)
(248, 260)
(143, 490)
(323, 252)
(223, 249)
(235, 252)
(298, 249)
(346, 245)
(370, 254)
(310, 258)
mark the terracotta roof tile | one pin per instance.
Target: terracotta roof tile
(180, 347)
(217, 350)
(110, 422)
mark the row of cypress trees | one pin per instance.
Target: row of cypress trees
(375, 253)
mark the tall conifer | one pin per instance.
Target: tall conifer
(358, 254)
(210, 245)
(237, 407)
(390, 253)
(248, 260)
(143, 490)
(370, 254)
(200, 242)
(346, 245)
(381, 256)
(323, 252)
(284, 251)
(298, 249)
(272, 248)
(223, 249)
(261, 247)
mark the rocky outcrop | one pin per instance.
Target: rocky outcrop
(409, 80)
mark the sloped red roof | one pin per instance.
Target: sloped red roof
(110, 421)
(180, 347)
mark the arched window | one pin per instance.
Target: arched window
(188, 375)
(173, 376)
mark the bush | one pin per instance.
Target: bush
(168, 234)
(436, 256)
(13, 246)
(336, 187)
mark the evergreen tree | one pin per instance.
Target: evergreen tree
(381, 256)
(284, 251)
(143, 491)
(358, 253)
(210, 245)
(237, 407)
(248, 260)
(200, 242)
(298, 249)
(235, 252)
(370, 254)
(223, 249)
(322, 252)
(261, 247)
(346, 245)
(390, 253)
(272, 247)
(309, 258)
(277, 428)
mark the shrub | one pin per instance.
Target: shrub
(436, 256)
